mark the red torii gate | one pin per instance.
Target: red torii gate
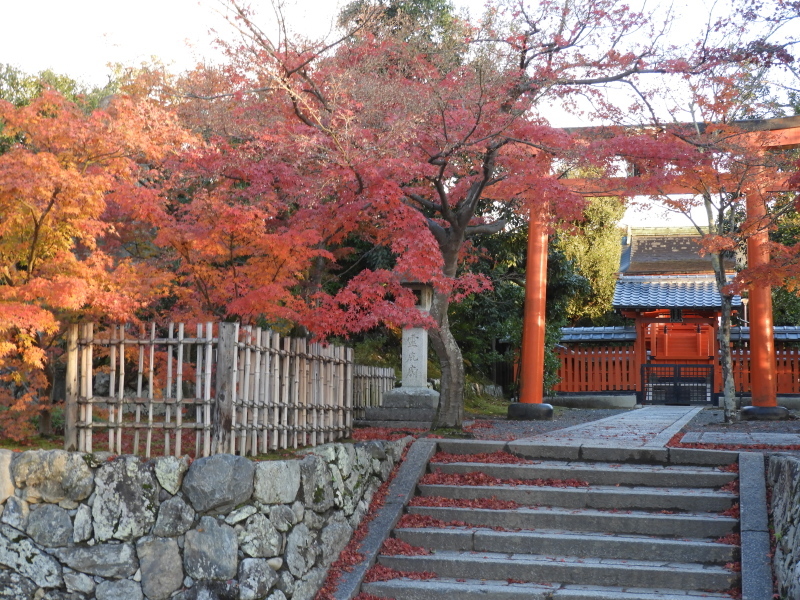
(783, 133)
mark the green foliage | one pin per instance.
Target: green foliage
(480, 319)
(378, 348)
(594, 247)
(20, 88)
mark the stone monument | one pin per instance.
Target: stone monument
(413, 404)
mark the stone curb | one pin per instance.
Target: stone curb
(754, 527)
(400, 492)
(665, 436)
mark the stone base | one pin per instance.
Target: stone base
(764, 413)
(594, 401)
(521, 411)
(411, 397)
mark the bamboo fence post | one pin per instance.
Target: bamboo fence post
(150, 389)
(348, 391)
(139, 383)
(266, 336)
(208, 357)
(179, 395)
(168, 391)
(198, 390)
(121, 388)
(284, 403)
(313, 393)
(71, 391)
(89, 386)
(257, 395)
(295, 389)
(275, 396)
(244, 396)
(112, 380)
(302, 358)
(222, 417)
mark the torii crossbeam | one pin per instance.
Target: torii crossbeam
(780, 133)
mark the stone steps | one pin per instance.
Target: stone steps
(568, 543)
(702, 525)
(599, 473)
(600, 497)
(567, 570)
(479, 589)
(638, 529)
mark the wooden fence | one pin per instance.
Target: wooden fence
(610, 368)
(369, 384)
(596, 369)
(244, 390)
(787, 371)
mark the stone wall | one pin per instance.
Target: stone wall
(783, 477)
(107, 527)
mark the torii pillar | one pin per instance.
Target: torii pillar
(763, 380)
(531, 405)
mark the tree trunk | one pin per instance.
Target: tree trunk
(726, 360)
(451, 399)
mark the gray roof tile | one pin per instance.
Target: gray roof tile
(668, 291)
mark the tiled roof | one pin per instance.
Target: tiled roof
(598, 334)
(667, 254)
(651, 292)
(784, 333)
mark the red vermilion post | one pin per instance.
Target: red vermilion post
(531, 405)
(533, 327)
(763, 382)
(762, 346)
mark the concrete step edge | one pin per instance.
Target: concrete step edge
(626, 475)
(576, 561)
(582, 544)
(634, 522)
(568, 570)
(467, 589)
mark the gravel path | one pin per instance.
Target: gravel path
(705, 420)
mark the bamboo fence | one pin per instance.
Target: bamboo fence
(241, 390)
(369, 384)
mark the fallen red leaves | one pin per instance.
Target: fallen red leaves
(382, 573)
(733, 511)
(410, 521)
(736, 567)
(396, 547)
(731, 486)
(366, 434)
(732, 539)
(350, 556)
(487, 503)
(483, 479)
(495, 458)
(731, 468)
(675, 442)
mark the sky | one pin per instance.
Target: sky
(79, 38)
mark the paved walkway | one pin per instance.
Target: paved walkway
(649, 427)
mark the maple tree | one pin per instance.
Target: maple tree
(419, 147)
(62, 174)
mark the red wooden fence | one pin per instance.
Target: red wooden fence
(611, 368)
(596, 369)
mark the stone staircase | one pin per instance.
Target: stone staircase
(620, 525)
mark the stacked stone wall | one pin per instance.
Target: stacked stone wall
(783, 478)
(101, 527)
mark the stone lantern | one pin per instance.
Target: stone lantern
(413, 404)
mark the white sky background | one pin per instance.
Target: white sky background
(79, 38)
